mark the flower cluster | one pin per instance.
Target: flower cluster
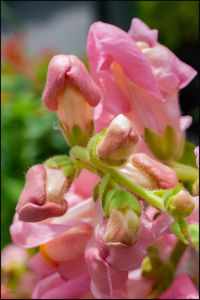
(118, 216)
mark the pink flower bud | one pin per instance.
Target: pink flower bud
(119, 139)
(70, 91)
(183, 203)
(162, 176)
(121, 230)
(42, 196)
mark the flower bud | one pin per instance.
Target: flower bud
(182, 203)
(118, 141)
(72, 93)
(148, 173)
(121, 230)
(42, 196)
(162, 176)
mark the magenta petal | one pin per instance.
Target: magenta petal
(181, 288)
(30, 234)
(140, 32)
(107, 41)
(54, 287)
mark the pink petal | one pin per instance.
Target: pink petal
(85, 183)
(73, 268)
(131, 258)
(105, 279)
(181, 288)
(164, 176)
(30, 234)
(170, 72)
(64, 70)
(185, 122)
(40, 266)
(107, 43)
(162, 225)
(138, 287)
(196, 152)
(54, 287)
(194, 217)
(35, 203)
(139, 31)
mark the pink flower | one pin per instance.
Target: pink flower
(181, 288)
(62, 242)
(108, 266)
(139, 77)
(42, 196)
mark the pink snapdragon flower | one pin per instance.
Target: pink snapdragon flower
(42, 196)
(62, 242)
(109, 267)
(139, 77)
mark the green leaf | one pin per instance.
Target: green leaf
(188, 157)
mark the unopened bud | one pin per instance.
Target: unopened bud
(183, 203)
(42, 196)
(161, 175)
(118, 141)
(72, 93)
(121, 230)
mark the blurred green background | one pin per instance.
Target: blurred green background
(29, 130)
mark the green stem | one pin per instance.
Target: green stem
(177, 253)
(185, 172)
(82, 154)
(173, 260)
(154, 200)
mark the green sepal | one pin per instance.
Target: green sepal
(188, 157)
(57, 161)
(112, 162)
(193, 230)
(177, 231)
(68, 170)
(64, 162)
(96, 191)
(121, 200)
(77, 136)
(93, 142)
(165, 147)
(168, 196)
(105, 186)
